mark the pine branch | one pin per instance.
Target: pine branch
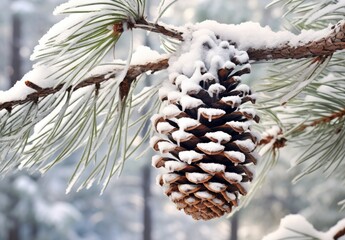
(322, 120)
(280, 142)
(327, 45)
(154, 27)
(133, 72)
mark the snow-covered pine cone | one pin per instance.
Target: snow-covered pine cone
(204, 136)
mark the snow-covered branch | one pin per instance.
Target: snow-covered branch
(297, 227)
(260, 44)
(133, 72)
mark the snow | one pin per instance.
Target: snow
(181, 136)
(144, 55)
(174, 96)
(164, 127)
(154, 140)
(238, 156)
(166, 147)
(189, 87)
(210, 147)
(229, 65)
(212, 167)
(186, 123)
(186, 188)
(170, 177)
(245, 89)
(243, 57)
(251, 35)
(230, 195)
(247, 145)
(173, 166)
(208, 54)
(165, 90)
(203, 195)
(274, 133)
(170, 111)
(197, 177)
(239, 126)
(176, 196)
(217, 201)
(233, 176)
(154, 119)
(219, 136)
(210, 113)
(296, 227)
(235, 101)
(215, 62)
(190, 200)
(207, 77)
(155, 160)
(216, 187)
(39, 75)
(188, 102)
(215, 89)
(181, 79)
(190, 156)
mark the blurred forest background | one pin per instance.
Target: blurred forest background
(132, 207)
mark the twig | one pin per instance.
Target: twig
(321, 120)
(154, 27)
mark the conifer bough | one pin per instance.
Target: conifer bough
(332, 41)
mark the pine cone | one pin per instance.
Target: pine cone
(205, 141)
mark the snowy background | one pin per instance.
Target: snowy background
(35, 207)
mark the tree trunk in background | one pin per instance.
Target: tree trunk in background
(14, 75)
(147, 209)
(147, 218)
(16, 63)
(13, 233)
(234, 224)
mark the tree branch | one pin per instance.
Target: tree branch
(133, 72)
(327, 45)
(280, 142)
(154, 27)
(321, 120)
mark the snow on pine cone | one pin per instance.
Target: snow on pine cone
(204, 136)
